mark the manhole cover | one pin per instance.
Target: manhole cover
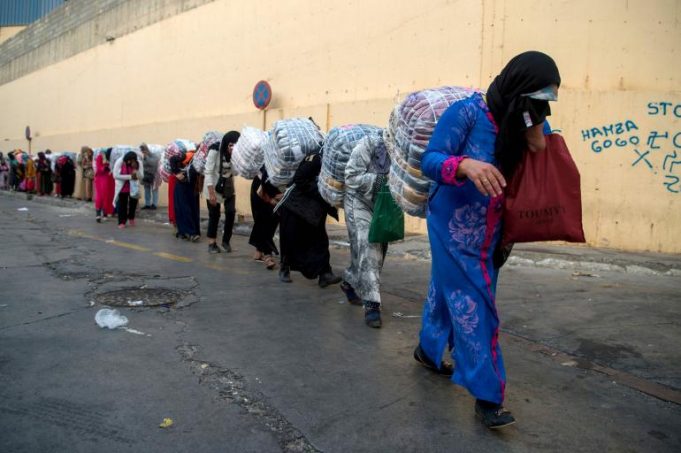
(140, 297)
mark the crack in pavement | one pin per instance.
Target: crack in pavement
(48, 318)
(233, 386)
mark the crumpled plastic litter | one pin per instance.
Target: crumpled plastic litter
(110, 319)
(166, 423)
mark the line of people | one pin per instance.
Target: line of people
(476, 146)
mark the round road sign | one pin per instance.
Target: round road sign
(262, 95)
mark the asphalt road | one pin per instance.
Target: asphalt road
(241, 362)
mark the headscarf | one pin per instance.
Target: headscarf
(129, 156)
(514, 113)
(107, 154)
(229, 138)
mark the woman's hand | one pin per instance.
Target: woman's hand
(212, 198)
(487, 179)
(180, 176)
(133, 176)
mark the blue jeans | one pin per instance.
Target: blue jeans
(150, 195)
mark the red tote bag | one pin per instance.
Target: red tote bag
(543, 198)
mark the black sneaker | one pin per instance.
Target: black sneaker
(285, 275)
(353, 298)
(328, 278)
(146, 207)
(213, 248)
(446, 368)
(153, 207)
(493, 416)
(227, 247)
(372, 314)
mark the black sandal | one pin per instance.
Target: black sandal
(446, 368)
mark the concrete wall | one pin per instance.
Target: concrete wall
(341, 63)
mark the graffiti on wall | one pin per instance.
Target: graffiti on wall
(657, 151)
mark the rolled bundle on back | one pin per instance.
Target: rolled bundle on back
(409, 130)
(336, 151)
(176, 148)
(199, 160)
(119, 151)
(291, 140)
(248, 153)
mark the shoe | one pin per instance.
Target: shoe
(285, 275)
(194, 238)
(446, 368)
(213, 248)
(121, 226)
(328, 278)
(493, 416)
(153, 207)
(372, 314)
(227, 247)
(144, 208)
(269, 262)
(98, 219)
(182, 236)
(353, 298)
(131, 222)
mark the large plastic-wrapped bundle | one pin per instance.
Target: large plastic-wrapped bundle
(156, 150)
(409, 130)
(291, 140)
(56, 156)
(176, 148)
(119, 151)
(209, 138)
(336, 151)
(248, 153)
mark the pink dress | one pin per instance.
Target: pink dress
(104, 185)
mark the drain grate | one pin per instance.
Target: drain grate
(130, 297)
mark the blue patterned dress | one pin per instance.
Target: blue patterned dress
(464, 227)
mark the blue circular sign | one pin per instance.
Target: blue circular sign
(262, 95)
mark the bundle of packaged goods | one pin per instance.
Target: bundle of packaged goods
(201, 154)
(175, 149)
(248, 153)
(290, 141)
(409, 130)
(335, 154)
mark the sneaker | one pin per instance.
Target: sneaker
(153, 207)
(446, 368)
(227, 247)
(131, 222)
(194, 238)
(121, 226)
(493, 416)
(144, 208)
(350, 293)
(285, 275)
(98, 219)
(372, 314)
(213, 248)
(328, 278)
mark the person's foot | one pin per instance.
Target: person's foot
(493, 416)
(98, 219)
(213, 248)
(285, 274)
(446, 368)
(144, 208)
(227, 248)
(372, 314)
(194, 238)
(258, 256)
(269, 262)
(131, 222)
(350, 293)
(154, 207)
(328, 278)
(121, 226)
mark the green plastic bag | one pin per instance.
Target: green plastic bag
(387, 223)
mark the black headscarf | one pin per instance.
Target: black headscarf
(107, 154)
(227, 139)
(130, 156)
(524, 74)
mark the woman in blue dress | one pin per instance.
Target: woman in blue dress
(475, 147)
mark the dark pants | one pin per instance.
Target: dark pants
(126, 207)
(214, 219)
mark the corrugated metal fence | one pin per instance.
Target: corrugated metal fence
(23, 12)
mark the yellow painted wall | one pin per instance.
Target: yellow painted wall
(347, 62)
(8, 32)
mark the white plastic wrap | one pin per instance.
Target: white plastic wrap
(199, 160)
(248, 153)
(178, 147)
(291, 140)
(410, 127)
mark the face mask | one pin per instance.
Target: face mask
(550, 93)
(533, 112)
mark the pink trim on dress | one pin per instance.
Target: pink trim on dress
(449, 168)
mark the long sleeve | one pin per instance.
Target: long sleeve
(446, 144)
(357, 176)
(117, 171)
(212, 168)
